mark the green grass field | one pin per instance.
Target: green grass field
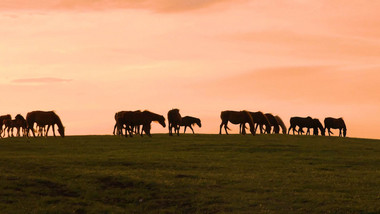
(190, 174)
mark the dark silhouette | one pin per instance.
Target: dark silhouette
(132, 119)
(174, 118)
(273, 122)
(333, 123)
(301, 123)
(44, 118)
(316, 125)
(20, 125)
(260, 119)
(281, 124)
(188, 121)
(8, 127)
(2, 118)
(237, 117)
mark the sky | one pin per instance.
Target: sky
(88, 59)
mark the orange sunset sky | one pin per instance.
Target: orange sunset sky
(87, 59)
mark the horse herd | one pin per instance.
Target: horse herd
(138, 122)
(128, 123)
(43, 120)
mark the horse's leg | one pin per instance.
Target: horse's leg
(192, 129)
(225, 127)
(47, 130)
(340, 132)
(53, 130)
(184, 130)
(177, 129)
(220, 128)
(243, 129)
(308, 131)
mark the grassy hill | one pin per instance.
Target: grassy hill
(190, 174)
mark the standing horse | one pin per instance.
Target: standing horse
(42, 118)
(273, 122)
(281, 124)
(20, 125)
(237, 117)
(301, 123)
(174, 118)
(189, 121)
(336, 123)
(8, 127)
(2, 118)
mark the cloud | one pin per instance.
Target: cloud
(41, 80)
(166, 6)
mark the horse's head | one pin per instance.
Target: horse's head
(161, 120)
(344, 132)
(62, 131)
(199, 123)
(268, 128)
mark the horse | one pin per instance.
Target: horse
(43, 118)
(19, 124)
(273, 122)
(281, 124)
(132, 119)
(2, 118)
(174, 118)
(8, 127)
(301, 123)
(260, 119)
(335, 123)
(188, 121)
(316, 125)
(120, 118)
(237, 117)
(148, 117)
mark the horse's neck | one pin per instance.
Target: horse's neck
(58, 122)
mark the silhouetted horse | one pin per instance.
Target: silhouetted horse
(2, 118)
(132, 119)
(43, 118)
(174, 118)
(260, 119)
(316, 125)
(189, 121)
(148, 117)
(20, 125)
(301, 123)
(333, 123)
(237, 117)
(281, 124)
(8, 127)
(273, 122)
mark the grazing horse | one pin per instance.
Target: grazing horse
(43, 118)
(148, 117)
(260, 119)
(316, 125)
(281, 124)
(132, 119)
(301, 123)
(237, 117)
(2, 118)
(273, 122)
(189, 121)
(336, 123)
(174, 118)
